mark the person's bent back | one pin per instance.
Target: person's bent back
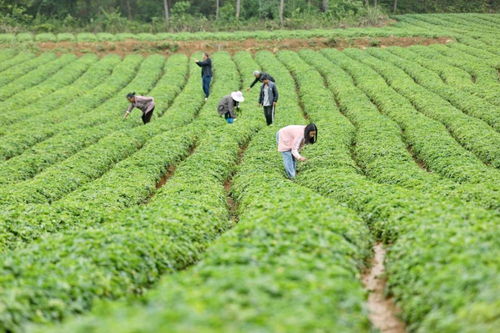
(291, 139)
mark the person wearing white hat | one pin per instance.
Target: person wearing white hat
(227, 105)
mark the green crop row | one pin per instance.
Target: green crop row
(290, 264)
(90, 99)
(439, 152)
(15, 60)
(479, 48)
(460, 21)
(469, 28)
(7, 54)
(21, 134)
(452, 75)
(483, 73)
(403, 31)
(63, 145)
(490, 19)
(134, 247)
(472, 133)
(408, 25)
(479, 21)
(67, 75)
(433, 22)
(455, 23)
(97, 72)
(36, 76)
(13, 73)
(483, 76)
(467, 103)
(476, 51)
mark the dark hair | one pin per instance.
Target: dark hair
(130, 95)
(206, 54)
(309, 128)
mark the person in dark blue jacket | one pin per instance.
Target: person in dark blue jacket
(206, 73)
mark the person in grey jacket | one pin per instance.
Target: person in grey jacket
(144, 103)
(228, 103)
(268, 98)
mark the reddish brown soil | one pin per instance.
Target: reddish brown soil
(232, 205)
(251, 45)
(166, 176)
(228, 184)
(418, 161)
(382, 311)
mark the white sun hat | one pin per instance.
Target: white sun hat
(256, 73)
(237, 96)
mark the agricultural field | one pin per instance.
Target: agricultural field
(188, 224)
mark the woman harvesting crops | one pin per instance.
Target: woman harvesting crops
(144, 103)
(290, 140)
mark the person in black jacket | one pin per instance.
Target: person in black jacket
(260, 76)
(268, 98)
(206, 73)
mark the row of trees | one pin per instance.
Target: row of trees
(175, 13)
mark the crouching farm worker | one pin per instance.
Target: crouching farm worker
(144, 103)
(268, 98)
(227, 105)
(290, 140)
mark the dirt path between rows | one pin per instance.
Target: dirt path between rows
(228, 185)
(251, 45)
(382, 311)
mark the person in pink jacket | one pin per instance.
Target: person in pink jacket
(290, 140)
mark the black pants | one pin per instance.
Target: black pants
(146, 117)
(269, 114)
